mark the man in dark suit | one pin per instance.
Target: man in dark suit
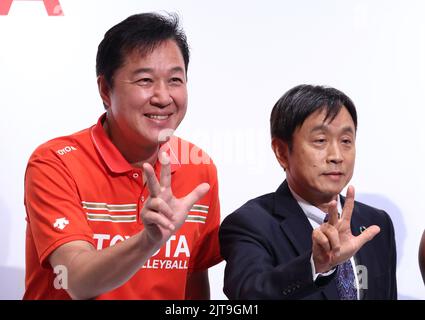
(305, 241)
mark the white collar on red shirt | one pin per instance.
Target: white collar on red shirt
(113, 157)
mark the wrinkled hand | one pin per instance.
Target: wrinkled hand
(163, 214)
(333, 242)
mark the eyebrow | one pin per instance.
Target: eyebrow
(150, 70)
(323, 127)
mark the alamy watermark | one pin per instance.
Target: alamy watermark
(362, 277)
(61, 279)
(228, 147)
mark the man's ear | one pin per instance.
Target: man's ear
(104, 91)
(281, 151)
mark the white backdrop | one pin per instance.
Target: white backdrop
(245, 55)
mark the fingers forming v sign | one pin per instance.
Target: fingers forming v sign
(163, 214)
(355, 243)
(333, 242)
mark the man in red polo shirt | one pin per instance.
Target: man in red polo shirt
(124, 209)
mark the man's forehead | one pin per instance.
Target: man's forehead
(142, 56)
(144, 51)
(322, 119)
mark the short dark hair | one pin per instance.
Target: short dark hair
(291, 110)
(143, 32)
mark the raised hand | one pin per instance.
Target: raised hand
(163, 214)
(333, 242)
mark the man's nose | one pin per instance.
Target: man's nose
(334, 153)
(161, 95)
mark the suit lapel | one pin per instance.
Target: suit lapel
(294, 222)
(297, 228)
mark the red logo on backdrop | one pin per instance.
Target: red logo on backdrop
(53, 7)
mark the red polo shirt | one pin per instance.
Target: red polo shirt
(80, 187)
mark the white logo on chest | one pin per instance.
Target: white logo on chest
(61, 223)
(65, 150)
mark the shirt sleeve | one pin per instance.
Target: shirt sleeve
(316, 275)
(206, 252)
(54, 212)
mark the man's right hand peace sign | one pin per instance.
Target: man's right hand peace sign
(163, 214)
(333, 242)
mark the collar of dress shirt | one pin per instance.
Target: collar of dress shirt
(313, 212)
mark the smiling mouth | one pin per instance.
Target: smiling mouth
(157, 117)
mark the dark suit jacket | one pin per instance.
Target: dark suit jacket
(267, 246)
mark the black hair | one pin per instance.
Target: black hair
(293, 108)
(143, 32)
